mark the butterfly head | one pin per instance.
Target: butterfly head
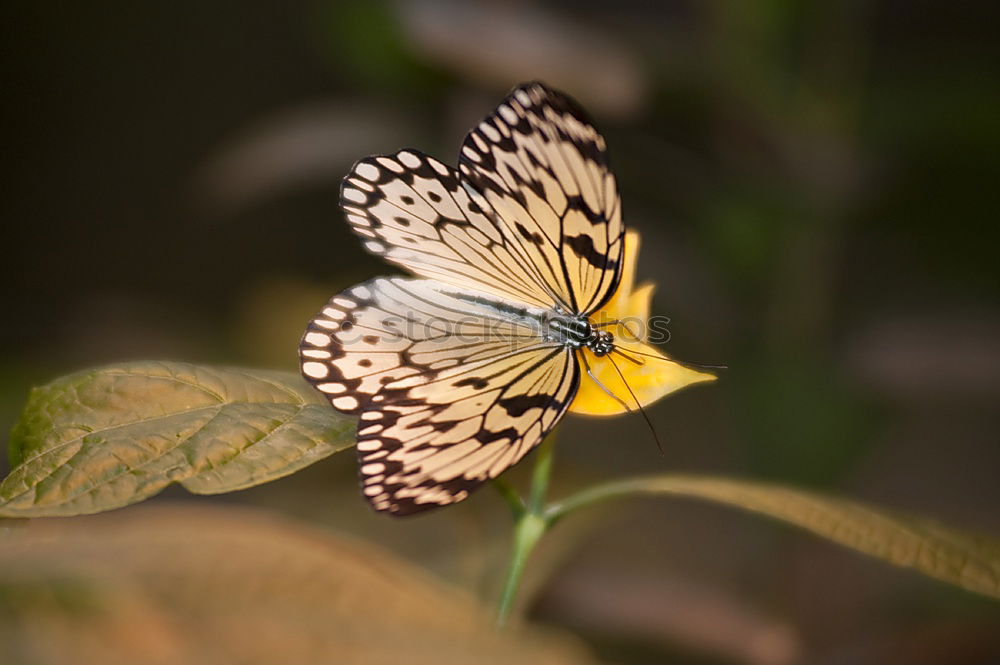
(601, 342)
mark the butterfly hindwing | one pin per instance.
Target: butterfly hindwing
(452, 386)
(544, 169)
(427, 444)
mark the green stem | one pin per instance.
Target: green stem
(540, 476)
(530, 524)
(527, 532)
(616, 489)
(533, 519)
(510, 495)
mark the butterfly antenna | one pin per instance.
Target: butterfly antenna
(601, 385)
(619, 350)
(615, 322)
(638, 404)
(628, 357)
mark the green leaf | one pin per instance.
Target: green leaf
(196, 584)
(109, 437)
(966, 560)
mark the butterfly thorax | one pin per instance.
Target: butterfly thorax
(576, 332)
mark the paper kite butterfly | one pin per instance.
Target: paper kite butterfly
(460, 371)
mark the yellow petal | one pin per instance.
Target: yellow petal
(640, 302)
(619, 301)
(655, 377)
(649, 382)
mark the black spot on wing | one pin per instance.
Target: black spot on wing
(577, 203)
(474, 381)
(535, 238)
(583, 247)
(520, 404)
(485, 436)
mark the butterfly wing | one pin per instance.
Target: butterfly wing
(451, 387)
(451, 376)
(416, 212)
(544, 170)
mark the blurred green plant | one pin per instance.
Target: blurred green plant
(368, 36)
(109, 437)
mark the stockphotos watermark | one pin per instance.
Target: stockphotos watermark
(517, 333)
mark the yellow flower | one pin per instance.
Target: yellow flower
(655, 377)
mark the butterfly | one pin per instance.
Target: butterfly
(457, 372)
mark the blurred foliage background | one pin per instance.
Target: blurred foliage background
(816, 187)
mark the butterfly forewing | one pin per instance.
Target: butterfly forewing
(418, 213)
(544, 170)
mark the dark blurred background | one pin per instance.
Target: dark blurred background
(816, 185)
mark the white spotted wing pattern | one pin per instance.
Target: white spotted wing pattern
(456, 373)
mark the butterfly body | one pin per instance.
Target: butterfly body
(574, 331)
(458, 372)
(601, 342)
